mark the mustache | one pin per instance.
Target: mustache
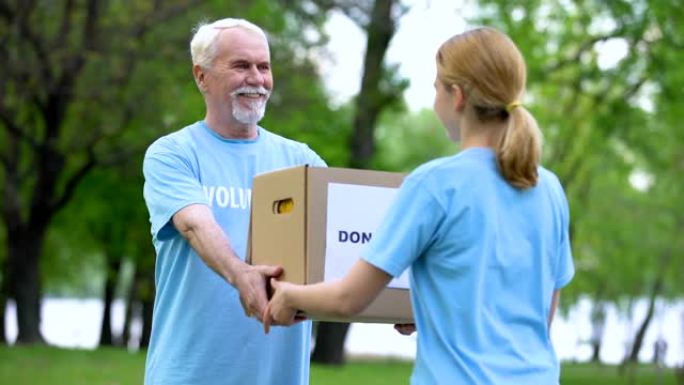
(251, 90)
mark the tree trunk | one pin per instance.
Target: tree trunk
(25, 248)
(130, 302)
(4, 276)
(112, 275)
(330, 337)
(598, 322)
(146, 296)
(140, 302)
(3, 304)
(639, 338)
(372, 99)
(330, 349)
(663, 267)
(147, 313)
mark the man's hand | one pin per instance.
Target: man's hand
(251, 282)
(278, 310)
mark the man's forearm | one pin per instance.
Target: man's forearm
(206, 237)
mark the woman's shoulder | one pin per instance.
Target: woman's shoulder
(549, 177)
(464, 164)
(552, 183)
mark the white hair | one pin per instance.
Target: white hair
(203, 43)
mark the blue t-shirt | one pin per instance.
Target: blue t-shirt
(485, 260)
(200, 334)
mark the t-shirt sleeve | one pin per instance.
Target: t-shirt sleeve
(566, 268)
(170, 185)
(409, 227)
(313, 159)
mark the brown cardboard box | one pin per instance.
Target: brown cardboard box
(292, 226)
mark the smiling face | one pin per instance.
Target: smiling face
(238, 84)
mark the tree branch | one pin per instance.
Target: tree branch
(71, 184)
(65, 26)
(158, 15)
(636, 87)
(632, 89)
(11, 207)
(584, 47)
(35, 42)
(4, 160)
(6, 11)
(13, 128)
(121, 156)
(90, 26)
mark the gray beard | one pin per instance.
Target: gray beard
(251, 115)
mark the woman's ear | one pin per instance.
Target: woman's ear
(459, 97)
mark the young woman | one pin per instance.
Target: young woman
(485, 233)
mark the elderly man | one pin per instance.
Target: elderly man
(197, 189)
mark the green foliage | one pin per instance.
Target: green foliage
(106, 217)
(299, 107)
(132, 85)
(408, 140)
(605, 122)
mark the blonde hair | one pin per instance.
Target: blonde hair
(490, 69)
(203, 43)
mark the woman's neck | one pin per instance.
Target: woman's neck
(478, 134)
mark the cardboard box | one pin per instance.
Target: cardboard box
(314, 221)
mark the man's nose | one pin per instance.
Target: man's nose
(254, 76)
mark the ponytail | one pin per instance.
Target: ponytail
(518, 151)
(492, 72)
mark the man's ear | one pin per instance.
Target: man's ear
(459, 97)
(200, 76)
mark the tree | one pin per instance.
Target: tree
(405, 141)
(105, 225)
(600, 132)
(380, 89)
(62, 74)
(89, 65)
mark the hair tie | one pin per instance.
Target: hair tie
(512, 106)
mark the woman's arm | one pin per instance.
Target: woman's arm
(339, 298)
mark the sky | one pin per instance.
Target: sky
(419, 34)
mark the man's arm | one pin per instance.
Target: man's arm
(197, 224)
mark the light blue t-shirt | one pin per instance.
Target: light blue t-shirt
(200, 334)
(485, 260)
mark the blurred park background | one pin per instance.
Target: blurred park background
(87, 85)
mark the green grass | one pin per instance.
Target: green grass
(363, 373)
(48, 365)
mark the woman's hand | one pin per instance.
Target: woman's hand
(278, 311)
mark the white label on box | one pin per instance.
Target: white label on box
(354, 213)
